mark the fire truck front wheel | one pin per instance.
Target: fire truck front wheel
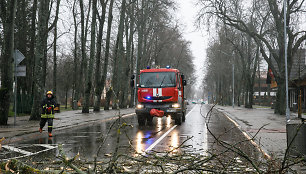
(141, 120)
(149, 120)
(178, 118)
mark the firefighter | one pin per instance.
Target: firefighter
(47, 115)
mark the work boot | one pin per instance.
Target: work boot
(40, 130)
(50, 134)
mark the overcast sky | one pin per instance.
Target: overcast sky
(186, 13)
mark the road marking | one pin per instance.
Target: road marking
(47, 146)
(164, 135)
(26, 153)
(127, 115)
(11, 148)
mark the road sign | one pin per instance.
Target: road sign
(21, 74)
(21, 71)
(21, 68)
(18, 56)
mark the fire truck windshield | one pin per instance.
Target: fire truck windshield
(157, 79)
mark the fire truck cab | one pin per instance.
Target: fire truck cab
(160, 93)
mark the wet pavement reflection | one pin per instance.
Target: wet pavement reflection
(134, 139)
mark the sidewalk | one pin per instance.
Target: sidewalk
(64, 120)
(272, 138)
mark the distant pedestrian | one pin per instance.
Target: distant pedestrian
(47, 115)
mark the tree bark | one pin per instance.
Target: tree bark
(54, 60)
(98, 80)
(107, 49)
(76, 79)
(8, 18)
(31, 59)
(130, 50)
(88, 84)
(83, 49)
(119, 59)
(40, 53)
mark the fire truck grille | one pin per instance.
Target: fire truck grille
(158, 98)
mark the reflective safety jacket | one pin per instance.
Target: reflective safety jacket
(48, 105)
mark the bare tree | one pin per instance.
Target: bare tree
(31, 60)
(76, 77)
(269, 15)
(119, 58)
(98, 80)
(107, 51)
(41, 54)
(129, 33)
(88, 79)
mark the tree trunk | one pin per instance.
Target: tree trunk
(124, 70)
(98, 80)
(131, 73)
(109, 94)
(129, 51)
(118, 61)
(40, 51)
(107, 49)
(7, 58)
(88, 84)
(54, 60)
(75, 88)
(115, 75)
(66, 98)
(280, 107)
(83, 49)
(31, 59)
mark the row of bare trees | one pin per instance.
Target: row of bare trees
(75, 48)
(237, 50)
(248, 30)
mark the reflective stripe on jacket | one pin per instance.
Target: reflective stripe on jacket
(46, 103)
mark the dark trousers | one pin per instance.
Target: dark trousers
(43, 122)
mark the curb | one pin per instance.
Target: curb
(246, 135)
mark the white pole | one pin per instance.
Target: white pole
(286, 71)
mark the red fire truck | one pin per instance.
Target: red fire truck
(160, 93)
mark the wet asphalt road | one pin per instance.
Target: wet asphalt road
(162, 136)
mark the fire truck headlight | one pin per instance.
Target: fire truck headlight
(139, 106)
(176, 105)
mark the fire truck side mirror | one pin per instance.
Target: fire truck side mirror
(184, 82)
(132, 82)
(183, 76)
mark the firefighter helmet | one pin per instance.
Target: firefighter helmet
(49, 92)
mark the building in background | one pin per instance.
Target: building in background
(296, 81)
